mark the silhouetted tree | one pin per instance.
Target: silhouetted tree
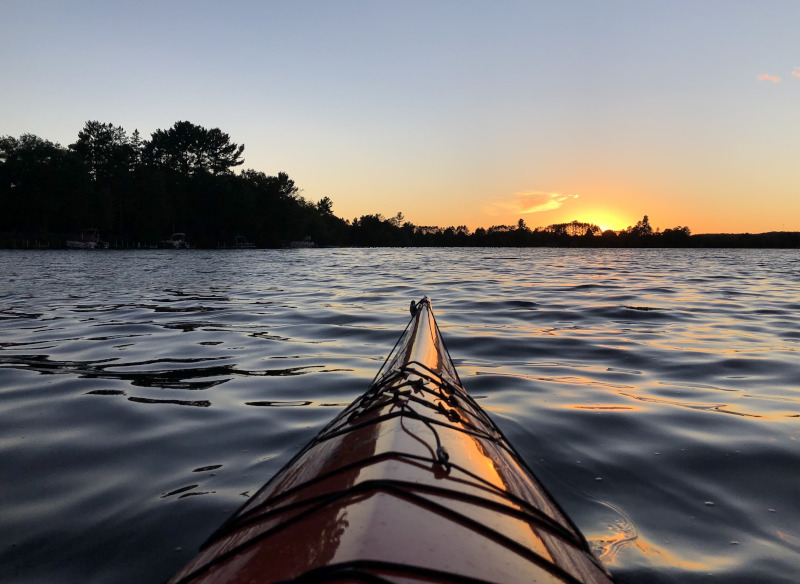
(189, 149)
(325, 206)
(642, 228)
(138, 146)
(111, 159)
(677, 236)
(573, 229)
(43, 186)
(609, 237)
(106, 150)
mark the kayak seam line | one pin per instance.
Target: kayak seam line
(327, 499)
(383, 457)
(378, 565)
(526, 510)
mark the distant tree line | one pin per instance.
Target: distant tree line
(182, 179)
(378, 231)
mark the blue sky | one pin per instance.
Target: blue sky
(475, 113)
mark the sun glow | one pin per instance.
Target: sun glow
(604, 220)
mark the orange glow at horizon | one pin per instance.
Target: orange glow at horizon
(606, 203)
(604, 220)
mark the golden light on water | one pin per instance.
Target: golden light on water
(622, 537)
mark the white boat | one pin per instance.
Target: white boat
(240, 242)
(175, 241)
(88, 239)
(306, 242)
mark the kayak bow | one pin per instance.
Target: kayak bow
(410, 483)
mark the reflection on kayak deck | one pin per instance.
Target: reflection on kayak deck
(410, 483)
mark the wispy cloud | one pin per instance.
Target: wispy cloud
(525, 202)
(796, 72)
(773, 78)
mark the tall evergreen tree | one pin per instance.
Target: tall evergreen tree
(188, 149)
(106, 150)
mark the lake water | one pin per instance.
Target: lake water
(144, 395)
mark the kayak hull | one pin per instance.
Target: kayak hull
(410, 483)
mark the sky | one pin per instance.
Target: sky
(451, 112)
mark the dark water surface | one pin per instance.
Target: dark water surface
(144, 395)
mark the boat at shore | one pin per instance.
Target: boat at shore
(87, 239)
(304, 243)
(175, 241)
(240, 242)
(411, 483)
